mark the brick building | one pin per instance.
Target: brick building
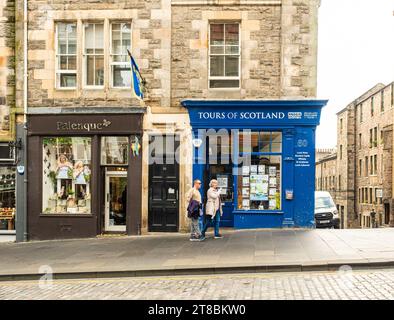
(363, 169)
(83, 119)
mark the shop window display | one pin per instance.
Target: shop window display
(66, 175)
(114, 150)
(259, 179)
(7, 198)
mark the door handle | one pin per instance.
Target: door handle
(107, 197)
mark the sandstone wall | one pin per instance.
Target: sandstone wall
(151, 23)
(260, 28)
(278, 48)
(7, 65)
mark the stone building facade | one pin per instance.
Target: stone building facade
(373, 183)
(7, 69)
(363, 169)
(326, 172)
(73, 69)
(8, 109)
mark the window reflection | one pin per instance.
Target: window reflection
(114, 150)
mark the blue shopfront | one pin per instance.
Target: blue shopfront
(262, 152)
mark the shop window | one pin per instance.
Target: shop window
(94, 54)
(66, 175)
(66, 55)
(224, 55)
(259, 179)
(120, 61)
(219, 147)
(7, 198)
(114, 150)
(249, 142)
(260, 142)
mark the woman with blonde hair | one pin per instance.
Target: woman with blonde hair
(213, 209)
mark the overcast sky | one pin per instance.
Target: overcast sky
(356, 51)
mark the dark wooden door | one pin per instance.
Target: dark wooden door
(164, 189)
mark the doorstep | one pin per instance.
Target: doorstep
(7, 232)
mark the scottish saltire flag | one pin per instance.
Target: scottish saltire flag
(136, 79)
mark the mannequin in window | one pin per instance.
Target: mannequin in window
(79, 173)
(63, 167)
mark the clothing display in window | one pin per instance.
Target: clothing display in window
(66, 175)
(7, 198)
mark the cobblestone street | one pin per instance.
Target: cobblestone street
(342, 284)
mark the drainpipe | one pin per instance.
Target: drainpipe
(25, 77)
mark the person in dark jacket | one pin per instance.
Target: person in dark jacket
(194, 207)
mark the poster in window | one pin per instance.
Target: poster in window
(256, 178)
(253, 169)
(272, 182)
(245, 192)
(245, 203)
(245, 170)
(272, 171)
(272, 192)
(272, 204)
(261, 169)
(245, 181)
(259, 197)
(222, 181)
(260, 194)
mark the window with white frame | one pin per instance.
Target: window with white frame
(119, 58)
(94, 54)
(66, 55)
(224, 55)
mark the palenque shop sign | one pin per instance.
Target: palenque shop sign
(84, 124)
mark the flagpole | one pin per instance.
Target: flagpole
(141, 80)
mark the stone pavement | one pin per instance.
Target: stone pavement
(169, 254)
(7, 238)
(343, 284)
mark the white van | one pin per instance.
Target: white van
(326, 213)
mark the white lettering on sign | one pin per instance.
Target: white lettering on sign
(310, 115)
(241, 115)
(294, 115)
(78, 126)
(302, 159)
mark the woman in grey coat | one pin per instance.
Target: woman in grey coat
(213, 209)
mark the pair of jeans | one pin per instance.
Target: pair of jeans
(209, 222)
(201, 222)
